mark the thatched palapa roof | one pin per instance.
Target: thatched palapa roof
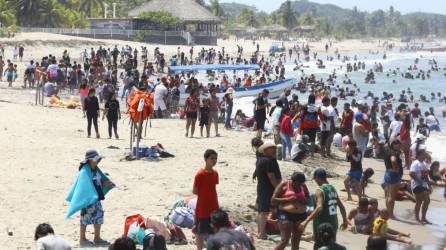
(272, 28)
(186, 10)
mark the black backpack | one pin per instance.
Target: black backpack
(154, 242)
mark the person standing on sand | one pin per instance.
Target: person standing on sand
(268, 177)
(327, 202)
(309, 118)
(160, 98)
(2, 65)
(354, 175)
(291, 197)
(191, 109)
(214, 106)
(360, 133)
(393, 174)
(91, 111)
(10, 74)
(420, 185)
(205, 187)
(86, 195)
(113, 114)
(261, 104)
(228, 98)
(21, 50)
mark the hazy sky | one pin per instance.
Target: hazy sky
(405, 6)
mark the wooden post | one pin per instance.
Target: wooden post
(131, 136)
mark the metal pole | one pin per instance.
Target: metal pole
(131, 136)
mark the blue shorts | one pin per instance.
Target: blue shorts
(355, 174)
(435, 127)
(392, 177)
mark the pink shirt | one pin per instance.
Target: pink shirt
(83, 92)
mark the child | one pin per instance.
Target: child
(205, 184)
(354, 175)
(204, 117)
(362, 217)
(380, 227)
(10, 74)
(366, 175)
(91, 185)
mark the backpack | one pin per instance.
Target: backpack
(154, 242)
(182, 217)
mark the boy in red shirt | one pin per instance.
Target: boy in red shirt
(205, 184)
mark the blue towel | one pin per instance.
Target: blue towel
(83, 193)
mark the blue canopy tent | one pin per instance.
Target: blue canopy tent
(206, 67)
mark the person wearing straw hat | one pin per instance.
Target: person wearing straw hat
(268, 177)
(229, 100)
(86, 194)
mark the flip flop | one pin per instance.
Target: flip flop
(86, 243)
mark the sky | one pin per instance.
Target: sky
(404, 6)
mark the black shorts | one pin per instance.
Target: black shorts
(345, 131)
(203, 226)
(420, 189)
(286, 216)
(263, 204)
(260, 123)
(204, 122)
(192, 115)
(323, 140)
(311, 132)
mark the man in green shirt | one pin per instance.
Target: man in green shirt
(327, 202)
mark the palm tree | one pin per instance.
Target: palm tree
(25, 10)
(87, 6)
(53, 13)
(216, 8)
(7, 16)
(288, 15)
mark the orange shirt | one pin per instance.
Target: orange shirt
(207, 201)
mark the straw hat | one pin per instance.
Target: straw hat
(230, 91)
(265, 146)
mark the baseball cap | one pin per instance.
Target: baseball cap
(320, 173)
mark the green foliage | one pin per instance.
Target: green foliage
(160, 16)
(234, 9)
(7, 15)
(287, 15)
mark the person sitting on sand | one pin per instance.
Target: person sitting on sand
(376, 242)
(46, 240)
(225, 237)
(380, 227)
(291, 197)
(300, 150)
(354, 175)
(361, 217)
(123, 243)
(325, 238)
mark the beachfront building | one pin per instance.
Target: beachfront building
(199, 25)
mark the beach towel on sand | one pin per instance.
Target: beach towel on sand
(83, 193)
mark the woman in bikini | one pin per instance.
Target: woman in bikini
(291, 198)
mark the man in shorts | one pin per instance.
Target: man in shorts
(214, 106)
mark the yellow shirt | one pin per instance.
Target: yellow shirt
(380, 226)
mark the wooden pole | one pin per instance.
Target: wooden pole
(131, 137)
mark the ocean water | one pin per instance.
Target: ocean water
(437, 83)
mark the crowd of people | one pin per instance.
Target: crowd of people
(299, 130)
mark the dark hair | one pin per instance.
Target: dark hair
(123, 243)
(311, 99)
(43, 230)
(434, 166)
(298, 177)
(324, 234)
(92, 90)
(352, 143)
(209, 152)
(376, 242)
(256, 142)
(369, 172)
(220, 219)
(286, 110)
(363, 202)
(279, 103)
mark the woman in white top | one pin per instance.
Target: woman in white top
(46, 240)
(420, 185)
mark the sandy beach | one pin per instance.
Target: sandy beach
(41, 147)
